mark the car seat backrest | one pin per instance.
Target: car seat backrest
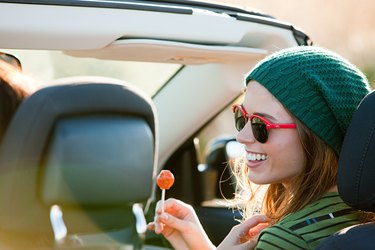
(356, 175)
(86, 147)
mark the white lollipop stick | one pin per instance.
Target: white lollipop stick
(162, 200)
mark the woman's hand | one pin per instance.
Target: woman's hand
(243, 236)
(180, 226)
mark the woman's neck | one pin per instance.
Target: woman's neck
(332, 189)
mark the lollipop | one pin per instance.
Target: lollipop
(165, 181)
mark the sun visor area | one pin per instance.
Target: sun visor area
(151, 50)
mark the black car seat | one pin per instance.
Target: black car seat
(217, 163)
(356, 178)
(77, 165)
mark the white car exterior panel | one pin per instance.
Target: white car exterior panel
(88, 28)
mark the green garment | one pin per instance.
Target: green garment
(306, 228)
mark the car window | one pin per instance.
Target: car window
(45, 66)
(214, 163)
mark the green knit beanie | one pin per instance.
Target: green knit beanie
(317, 86)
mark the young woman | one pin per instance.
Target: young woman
(297, 107)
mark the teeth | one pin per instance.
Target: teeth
(256, 157)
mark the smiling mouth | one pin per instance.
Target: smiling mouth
(256, 157)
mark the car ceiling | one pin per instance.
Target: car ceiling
(217, 49)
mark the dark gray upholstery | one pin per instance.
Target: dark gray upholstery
(98, 151)
(356, 177)
(89, 147)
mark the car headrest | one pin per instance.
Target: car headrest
(356, 172)
(89, 146)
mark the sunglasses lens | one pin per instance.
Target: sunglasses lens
(259, 130)
(239, 119)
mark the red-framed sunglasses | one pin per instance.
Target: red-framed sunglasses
(259, 124)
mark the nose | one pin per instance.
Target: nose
(246, 136)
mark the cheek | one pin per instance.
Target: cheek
(297, 151)
(288, 154)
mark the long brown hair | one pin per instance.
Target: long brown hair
(12, 93)
(318, 177)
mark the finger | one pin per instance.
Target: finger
(252, 233)
(159, 228)
(250, 244)
(155, 226)
(257, 229)
(178, 208)
(158, 207)
(151, 226)
(169, 204)
(173, 222)
(243, 238)
(250, 228)
(255, 220)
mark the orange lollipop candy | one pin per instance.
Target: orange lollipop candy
(165, 181)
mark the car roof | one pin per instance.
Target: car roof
(212, 45)
(124, 20)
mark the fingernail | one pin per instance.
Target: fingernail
(264, 218)
(164, 216)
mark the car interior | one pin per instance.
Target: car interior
(68, 151)
(355, 179)
(61, 162)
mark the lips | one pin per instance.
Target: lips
(255, 159)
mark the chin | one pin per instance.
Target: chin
(258, 181)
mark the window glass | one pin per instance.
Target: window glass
(45, 66)
(218, 181)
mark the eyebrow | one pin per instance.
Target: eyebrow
(267, 116)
